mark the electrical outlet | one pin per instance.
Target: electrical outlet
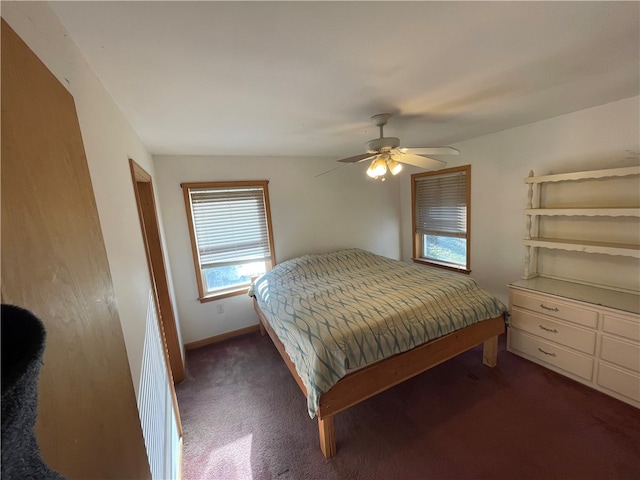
(220, 308)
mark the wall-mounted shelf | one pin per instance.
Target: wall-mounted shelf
(564, 177)
(608, 248)
(536, 210)
(585, 212)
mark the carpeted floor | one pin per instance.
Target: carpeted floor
(244, 417)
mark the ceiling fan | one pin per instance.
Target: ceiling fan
(387, 155)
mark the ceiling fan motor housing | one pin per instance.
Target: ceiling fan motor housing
(383, 144)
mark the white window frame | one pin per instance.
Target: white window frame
(231, 255)
(462, 216)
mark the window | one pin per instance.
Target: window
(230, 227)
(441, 203)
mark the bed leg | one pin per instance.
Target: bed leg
(490, 352)
(327, 437)
(263, 332)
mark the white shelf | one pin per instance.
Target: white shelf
(622, 249)
(585, 212)
(564, 177)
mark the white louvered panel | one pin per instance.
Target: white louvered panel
(154, 405)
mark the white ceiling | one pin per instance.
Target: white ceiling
(303, 78)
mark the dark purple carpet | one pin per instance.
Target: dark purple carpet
(244, 417)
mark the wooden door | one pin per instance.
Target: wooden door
(54, 263)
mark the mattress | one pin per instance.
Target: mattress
(341, 311)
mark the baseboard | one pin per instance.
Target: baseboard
(220, 338)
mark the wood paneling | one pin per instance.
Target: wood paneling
(54, 263)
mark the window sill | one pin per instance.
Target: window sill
(443, 265)
(224, 294)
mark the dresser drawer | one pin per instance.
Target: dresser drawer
(551, 354)
(562, 333)
(627, 327)
(619, 352)
(549, 306)
(619, 381)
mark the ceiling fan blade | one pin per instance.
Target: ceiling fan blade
(418, 161)
(358, 158)
(431, 150)
(329, 171)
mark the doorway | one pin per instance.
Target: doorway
(145, 200)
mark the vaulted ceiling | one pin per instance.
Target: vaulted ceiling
(303, 78)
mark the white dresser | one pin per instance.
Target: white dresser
(581, 328)
(572, 333)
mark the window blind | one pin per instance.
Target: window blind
(230, 225)
(441, 205)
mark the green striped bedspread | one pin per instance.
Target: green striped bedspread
(338, 312)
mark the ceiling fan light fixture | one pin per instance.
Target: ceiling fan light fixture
(377, 168)
(394, 166)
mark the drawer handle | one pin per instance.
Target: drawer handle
(543, 306)
(547, 353)
(548, 329)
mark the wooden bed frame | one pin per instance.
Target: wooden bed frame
(382, 375)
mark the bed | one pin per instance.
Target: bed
(351, 324)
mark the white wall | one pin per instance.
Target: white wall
(309, 215)
(109, 142)
(601, 137)
(344, 208)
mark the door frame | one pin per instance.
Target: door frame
(145, 201)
